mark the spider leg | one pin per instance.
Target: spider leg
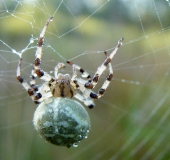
(39, 53)
(88, 92)
(37, 93)
(85, 87)
(84, 91)
(76, 67)
(45, 91)
(32, 91)
(102, 68)
(107, 81)
(57, 67)
(37, 71)
(86, 100)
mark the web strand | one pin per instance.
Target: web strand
(132, 118)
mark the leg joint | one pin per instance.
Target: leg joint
(20, 79)
(93, 95)
(39, 72)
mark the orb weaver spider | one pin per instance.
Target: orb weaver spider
(58, 118)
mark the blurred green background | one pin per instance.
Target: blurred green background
(131, 121)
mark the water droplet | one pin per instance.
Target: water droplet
(75, 145)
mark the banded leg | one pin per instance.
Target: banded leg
(86, 89)
(90, 93)
(102, 68)
(82, 71)
(32, 92)
(39, 53)
(57, 67)
(86, 100)
(36, 71)
(36, 67)
(107, 81)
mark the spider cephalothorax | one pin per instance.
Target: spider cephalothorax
(63, 86)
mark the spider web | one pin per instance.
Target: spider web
(131, 121)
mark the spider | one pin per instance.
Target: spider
(61, 89)
(63, 85)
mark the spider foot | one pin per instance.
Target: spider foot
(49, 20)
(120, 42)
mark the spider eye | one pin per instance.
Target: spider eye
(63, 122)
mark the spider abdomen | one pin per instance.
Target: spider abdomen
(62, 122)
